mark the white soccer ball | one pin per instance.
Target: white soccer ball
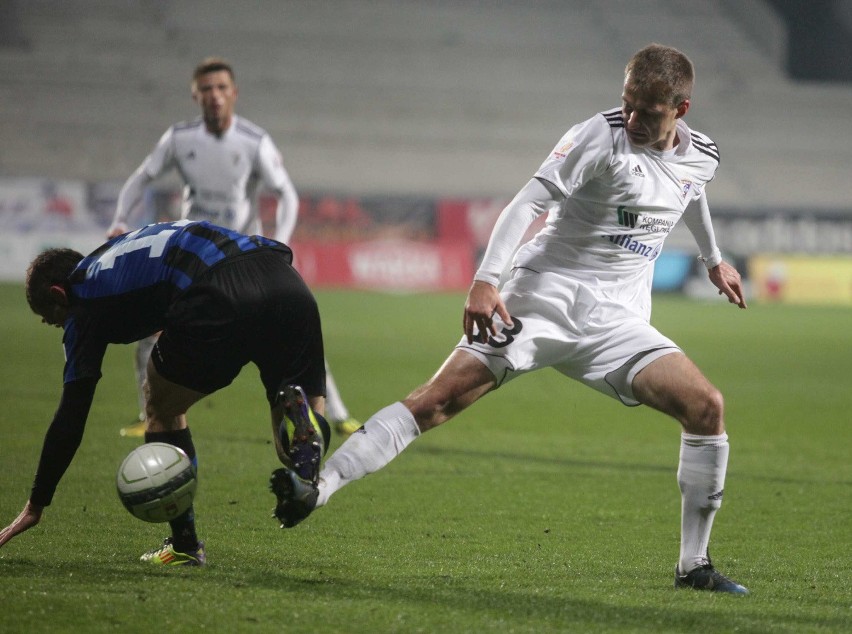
(156, 482)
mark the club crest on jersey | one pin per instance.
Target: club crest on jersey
(686, 186)
(562, 152)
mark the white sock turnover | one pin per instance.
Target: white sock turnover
(335, 408)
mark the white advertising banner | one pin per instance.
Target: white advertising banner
(36, 214)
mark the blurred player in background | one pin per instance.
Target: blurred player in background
(222, 159)
(220, 300)
(579, 300)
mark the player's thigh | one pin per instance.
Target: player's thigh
(674, 385)
(165, 399)
(457, 384)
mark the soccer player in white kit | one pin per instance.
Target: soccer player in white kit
(222, 159)
(579, 300)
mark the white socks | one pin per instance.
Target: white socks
(380, 440)
(335, 409)
(701, 477)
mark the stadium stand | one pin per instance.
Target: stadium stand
(441, 97)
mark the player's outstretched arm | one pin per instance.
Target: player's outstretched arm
(483, 301)
(727, 279)
(29, 517)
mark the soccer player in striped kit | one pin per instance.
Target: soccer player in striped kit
(578, 300)
(220, 300)
(223, 159)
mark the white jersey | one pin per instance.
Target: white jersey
(221, 176)
(619, 203)
(580, 292)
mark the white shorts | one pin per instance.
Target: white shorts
(563, 324)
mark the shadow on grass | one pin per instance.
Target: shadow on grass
(615, 465)
(667, 609)
(527, 459)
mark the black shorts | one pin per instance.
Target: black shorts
(255, 308)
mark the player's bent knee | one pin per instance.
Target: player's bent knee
(707, 414)
(166, 404)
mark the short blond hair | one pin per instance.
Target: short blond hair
(661, 71)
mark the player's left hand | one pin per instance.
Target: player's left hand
(29, 517)
(727, 279)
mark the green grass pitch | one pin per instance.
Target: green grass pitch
(544, 508)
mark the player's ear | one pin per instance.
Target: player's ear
(58, 294)
(682, 108)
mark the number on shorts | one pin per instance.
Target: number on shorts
(507, 335)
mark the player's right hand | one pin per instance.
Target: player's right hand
(29, 517)
(483, 302)
(116, 230)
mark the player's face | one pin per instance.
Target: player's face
(54, 311)
(54, 315)
(216, 94)
(649, 122)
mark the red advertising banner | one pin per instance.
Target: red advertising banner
(385, 264)
(468, 221)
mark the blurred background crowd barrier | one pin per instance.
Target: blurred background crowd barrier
(408, 125)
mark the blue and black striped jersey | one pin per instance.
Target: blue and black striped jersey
(122, 291)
